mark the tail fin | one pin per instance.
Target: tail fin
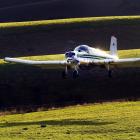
(113, 46)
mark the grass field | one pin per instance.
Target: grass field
(36, 38)
(71, 23)
(28, 85)
(107, 121)
(25, 85)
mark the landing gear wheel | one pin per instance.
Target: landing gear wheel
(64, 74)
(110, 73)
(75, 74)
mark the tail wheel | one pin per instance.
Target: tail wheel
(75, 74)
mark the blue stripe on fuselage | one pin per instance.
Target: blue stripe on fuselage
(92, 57)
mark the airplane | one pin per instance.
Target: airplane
(84, 57)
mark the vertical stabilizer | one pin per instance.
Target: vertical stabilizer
(113, 46)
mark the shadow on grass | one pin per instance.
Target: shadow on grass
(57, 123)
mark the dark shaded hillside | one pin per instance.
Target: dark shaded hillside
(60, 41)
(28, 86)
(24, 85)
(16, 10)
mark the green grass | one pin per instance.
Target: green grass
(108, 121)
(70, 23)
(129, 53)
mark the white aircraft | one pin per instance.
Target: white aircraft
(84, 57)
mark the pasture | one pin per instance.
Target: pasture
(107, 121)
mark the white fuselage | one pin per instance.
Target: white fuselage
(84, 52)
(94, 54)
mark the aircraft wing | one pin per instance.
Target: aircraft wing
(129, 62)
(118, 63)
(44, 64)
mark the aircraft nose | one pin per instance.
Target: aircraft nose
(70, 54)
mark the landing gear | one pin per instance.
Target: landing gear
(65, 73)
(109, 71)
(75, 74)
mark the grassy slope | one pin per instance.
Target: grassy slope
(108, 121)
(57, 36)
(70, 23)
(18, 82)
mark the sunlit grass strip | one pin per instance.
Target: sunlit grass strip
(69, 23)
(122, 54)
(129, 53)
(46, 57)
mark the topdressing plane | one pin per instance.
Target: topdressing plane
(84, 57)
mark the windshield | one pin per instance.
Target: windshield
(82, 48)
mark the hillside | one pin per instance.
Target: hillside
(100, 121)
(24, 10)
(29, 86)
(58, 36)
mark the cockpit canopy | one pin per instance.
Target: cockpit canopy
(82, 48)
